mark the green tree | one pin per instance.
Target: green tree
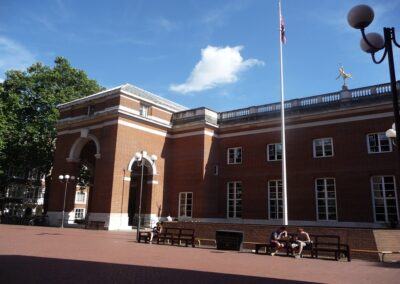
(28, 104)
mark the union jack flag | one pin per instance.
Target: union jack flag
(283, 36)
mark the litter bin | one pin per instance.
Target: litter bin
(229, 240)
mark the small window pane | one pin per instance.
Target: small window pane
(378, 143)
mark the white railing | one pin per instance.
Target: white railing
(353, 94)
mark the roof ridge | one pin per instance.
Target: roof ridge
(151, 96)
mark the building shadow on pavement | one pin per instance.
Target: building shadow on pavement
(27, 269)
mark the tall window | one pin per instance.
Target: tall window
(323, 147)
(326, 199)
(185, 204)
(234, 199)
(275, 199)
(91, 110)
(274, 152)
(144, 110)
(234, 155)
(79, 213)
(378, 143)
(80, 197)
(384, 198)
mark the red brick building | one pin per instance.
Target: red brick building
(226, 167)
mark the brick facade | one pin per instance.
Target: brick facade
(191, 148)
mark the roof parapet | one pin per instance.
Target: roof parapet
(301, 103)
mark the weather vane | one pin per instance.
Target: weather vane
(344, 76)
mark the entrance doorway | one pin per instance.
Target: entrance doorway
(134, 194)
(85, 180)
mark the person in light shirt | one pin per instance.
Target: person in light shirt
(303, 239)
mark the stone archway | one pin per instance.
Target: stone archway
(84, 153)
(76, 149)
(149, 170)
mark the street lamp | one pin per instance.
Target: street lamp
(65, 179)
(140, 159)
(391, 134)
(359, 17)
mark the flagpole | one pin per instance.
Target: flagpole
(284, 180)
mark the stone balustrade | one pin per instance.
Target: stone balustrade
(302, 103)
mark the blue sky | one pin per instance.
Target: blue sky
(221, 54)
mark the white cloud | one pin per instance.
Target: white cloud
(14, 55)
(218, 66)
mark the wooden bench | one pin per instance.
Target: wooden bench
(177, 235)
(185, 236)
(268, 246)
(144, 236)
(292, 245)
(167, 234)
(330, 243)
(97, 225)
(259, 246)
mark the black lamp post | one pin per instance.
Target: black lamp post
(359, 17)
(65, 179)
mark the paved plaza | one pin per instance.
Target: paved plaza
(54, 255)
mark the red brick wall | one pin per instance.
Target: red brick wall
(130, 141)
(155, 111)
(62, 167)
(130, 103)
(184, 170)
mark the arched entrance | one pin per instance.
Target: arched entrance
(83, 155)
(134, 191)
(85, 181)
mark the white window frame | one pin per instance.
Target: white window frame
(183, 200)
(235, 154)
(276, 152)
(83, 213)
(78, 192)
(384, 197)
(275, 186)
(326, 199)
(380, 135)
(144, 110)
(235, 200)
(323, 140)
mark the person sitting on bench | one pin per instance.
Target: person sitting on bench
(276, 236)
(156, 231)
(303, 239)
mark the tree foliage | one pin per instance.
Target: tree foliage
(28, 105)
